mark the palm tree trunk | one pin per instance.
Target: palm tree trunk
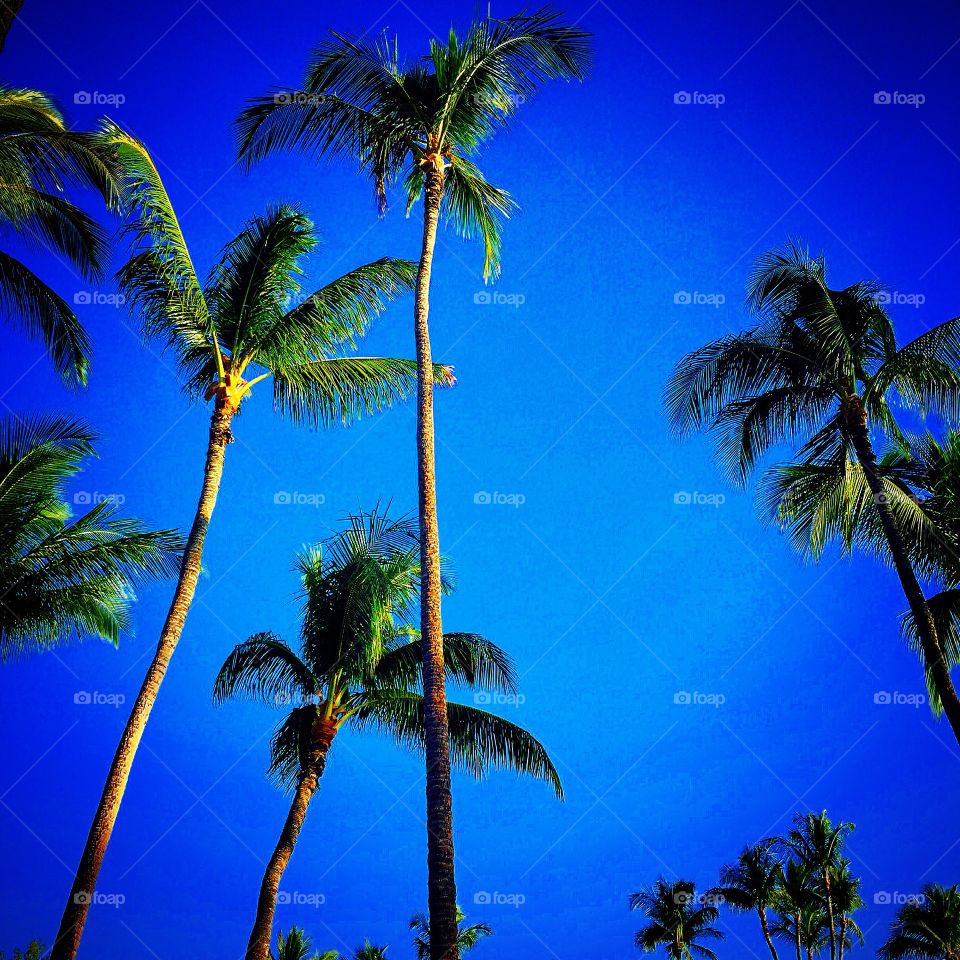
(856, 422)
(85, 882)
(765, 927)
(796, 931)
(441, 884)
(843, 936)
(258, 946)
(829, 900)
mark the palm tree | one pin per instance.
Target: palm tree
(359, 666)
(39, 157)
(370, 951)
(468, 935)
(63, 577)
(818, 844)
(818, 368)
(228, 336)
(295, 945)
(845, 890)
(34, 951)
(801, 916)
(419, 124)
(926, 928)
(751, 884)
(677, 920)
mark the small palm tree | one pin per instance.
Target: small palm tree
(468, 935)
(34, 951)
(678, 921)
(798, 905)
(359, 666)
(370, 951)
(927, 928)
(845, 891)
(64, 577)
(295, 945)
(751, 884)
(818, 368)
(418, 124)
(39, 157)
(229, 335)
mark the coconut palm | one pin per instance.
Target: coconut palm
(750, 885)
(227, 336)
(926, 928)
(468, 935)
(359, 666)
(370, 951)
(677, 920)
(817, 843)
(39, 158)
(817, 368)
(295, 945)
(34, 951)
(419, 124)
(64, 577)
(845, 890)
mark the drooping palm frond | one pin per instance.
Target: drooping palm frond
(927, 928)
(264, 668)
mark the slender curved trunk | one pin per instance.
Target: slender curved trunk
(855, 419)
(85, 882)
(796, 933)
(258, 946)
(765, 927)
(843, 936)
(832, 933)
(441, 885)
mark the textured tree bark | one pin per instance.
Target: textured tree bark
(856, 422)
(258, 947)
(441, 884)
(8, 13)
(765, 927)
(85, 882)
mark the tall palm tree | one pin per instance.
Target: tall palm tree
(468, 934)
(64, 577)
(818, 368)
(818, 844)
(359, 666)
(39, 158)
(927, 928)
(798, 905)
(677, 920)
(750, 884)
(419, 124)
(845, 890)
(227, 336)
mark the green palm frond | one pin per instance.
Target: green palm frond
(264, 668)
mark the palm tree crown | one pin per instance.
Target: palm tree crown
(397, 120)
(468, 934)
(927, 928)
(39, 158)
(677, 920)
(63, 577)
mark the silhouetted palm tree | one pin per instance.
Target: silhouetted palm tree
(360, 666)
(468, 934)
(418, 124)
(750, 884)
(927, 928)
(678, 921)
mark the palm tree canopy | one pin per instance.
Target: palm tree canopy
(468, 935)
(359, 659)
(39, 160)
(751, 882)
(295, 945)
(250, 320)
(927, 928)
(63, 578)
(677, 920)
(812, 356)
(397, 120)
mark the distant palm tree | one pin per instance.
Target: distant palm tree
(751, 884)
(64, 577)
(468, 935)
(359, 666)
(927, 928)
(818, 368)
(845, 891)
(295, 945)
(34, 951)
(370, 951)
(818, 844)
(678, 921)
(801, 916)
(39, 157)
(235, 332)
(418, 124)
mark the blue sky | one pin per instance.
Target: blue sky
(612, 597)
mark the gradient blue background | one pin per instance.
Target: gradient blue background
(611, 597)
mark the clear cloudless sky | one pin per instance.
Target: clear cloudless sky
(612, 597)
